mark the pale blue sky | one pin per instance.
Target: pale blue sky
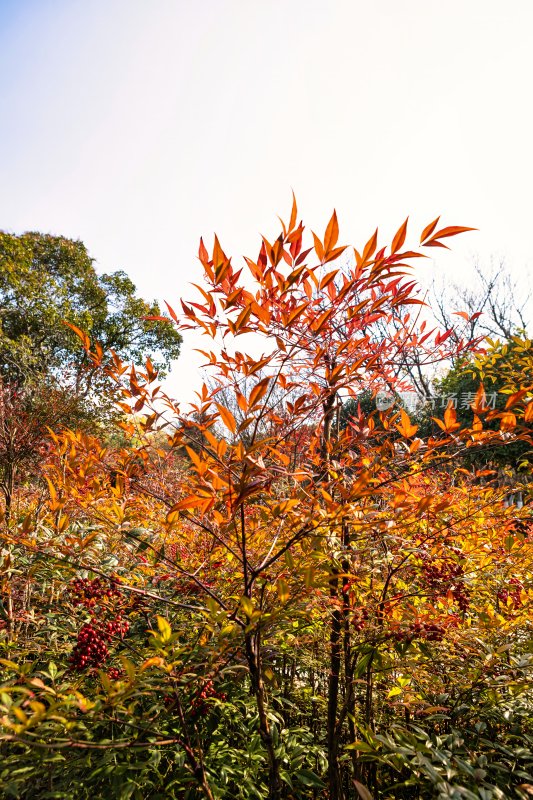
(138, 125)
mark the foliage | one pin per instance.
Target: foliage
(269, 603)
(45, 280)
(502, 369)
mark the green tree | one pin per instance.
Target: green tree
(502, 369)
(45, 280)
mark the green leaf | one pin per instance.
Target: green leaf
(309, 778)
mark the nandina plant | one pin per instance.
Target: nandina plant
(333, 321)
(374, 543)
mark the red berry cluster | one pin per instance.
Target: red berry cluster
(446, 576)
(115, 674)
(91, 593)
(200, 705)
(513, 590)
(175, 552)
(441, 573)
(359, 619)
(91, 648)
(430, 631)
(461, 596)
(116, 627)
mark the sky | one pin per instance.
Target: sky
(140, 125)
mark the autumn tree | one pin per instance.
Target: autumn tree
(368, 546)
(322, 341)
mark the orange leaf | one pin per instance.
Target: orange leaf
(405, 427)
(81, 334)
(332, 233)
(296, 313)
(243, 317)
(516, 397)
(318, 247)
(450, 418)
(508, 421)
(370, 246)
(399, 238)
(227, 417)
(242, 402)
(203, 255)
(327, 279)
(428, 230)
(335, 253)
(258, 391)
(479, 406)
(424, 503)
(294, 213)
(452, 230)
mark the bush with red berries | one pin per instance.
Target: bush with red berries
(88, 594)
(428, 631)
(108, 625)
(200, 705)
(513, 591)
(91, 649)
(444, 577)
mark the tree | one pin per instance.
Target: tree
(25, 420)
(497, 306)
(46, 280)
(328, 578)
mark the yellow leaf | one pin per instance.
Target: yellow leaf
(283, 590)
(396, 690)
(164, 629)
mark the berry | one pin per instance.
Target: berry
(90, 593)
(115, 674)
(91, 648)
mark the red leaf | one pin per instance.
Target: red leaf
(171, 312)
(203, 255)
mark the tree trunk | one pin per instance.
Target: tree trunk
(334, 779)
(253, 656)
